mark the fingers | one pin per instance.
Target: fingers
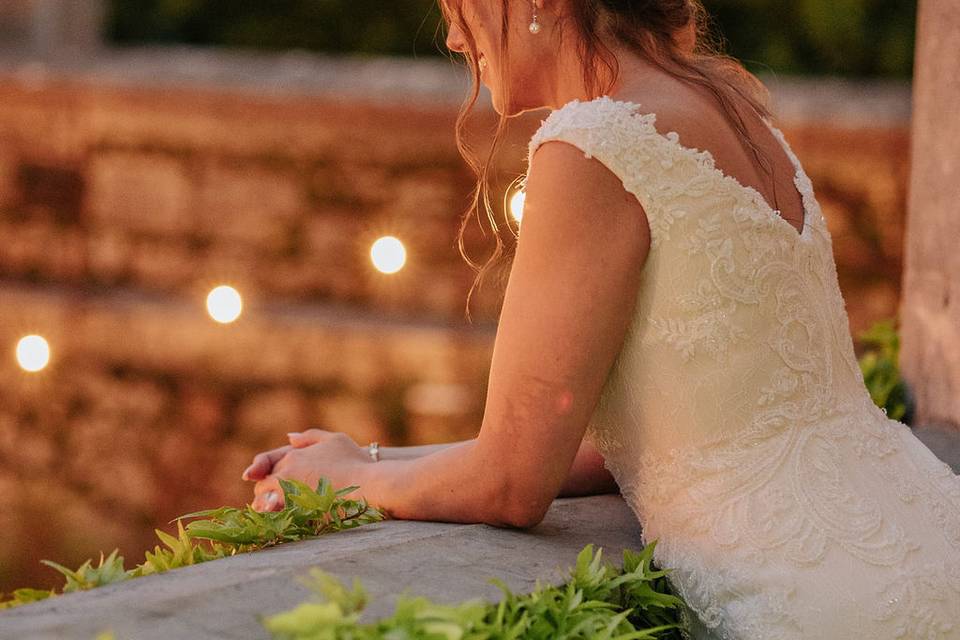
(263, 463)
(308, 437)
(268, 496)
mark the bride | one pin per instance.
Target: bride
(673, 327)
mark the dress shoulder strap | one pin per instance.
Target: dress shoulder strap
(670, 180)
(628, 144)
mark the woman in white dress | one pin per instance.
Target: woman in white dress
(673, 297)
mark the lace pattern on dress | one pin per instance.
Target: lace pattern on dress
(770, 484)
(787, 497)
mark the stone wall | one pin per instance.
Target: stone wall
(167, 191)
(131, 185)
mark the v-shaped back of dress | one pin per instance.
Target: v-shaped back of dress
(736, 419)
(616, 123)
(735, 306)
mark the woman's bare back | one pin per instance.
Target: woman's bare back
(701, 124)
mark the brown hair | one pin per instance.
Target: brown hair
(674, 35)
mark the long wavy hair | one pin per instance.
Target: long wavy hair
(677, 36)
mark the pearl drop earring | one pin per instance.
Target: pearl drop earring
(534, 26)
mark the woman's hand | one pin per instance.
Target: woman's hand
(262, 464)
(310, 455)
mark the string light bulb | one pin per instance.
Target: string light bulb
(33, 353)
(388, 254)
(516, 205)
(224, 304)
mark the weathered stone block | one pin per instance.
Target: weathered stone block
(264, 418)
(9, 162)
(248, 203)
(162, 265)
(351, 415)
(140, 192)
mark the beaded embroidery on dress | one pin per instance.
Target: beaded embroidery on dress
(736, 420)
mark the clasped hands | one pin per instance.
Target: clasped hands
(311, 454)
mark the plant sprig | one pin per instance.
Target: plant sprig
(221, 532)
(598, 602)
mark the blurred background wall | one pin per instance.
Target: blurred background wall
(151, 151)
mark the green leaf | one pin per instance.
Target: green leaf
(650, 610)
(226, 531)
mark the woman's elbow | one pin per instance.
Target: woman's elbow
(517, 519)
(520, 511)
(527, 519)
(515, 497)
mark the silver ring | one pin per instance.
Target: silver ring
(374, 450)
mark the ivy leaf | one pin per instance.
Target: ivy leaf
(303, 496)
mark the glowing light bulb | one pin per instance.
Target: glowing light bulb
(224, 304)
(516, 205)
(388, 254)
(33, 353)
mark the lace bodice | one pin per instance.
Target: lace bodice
(736, 420)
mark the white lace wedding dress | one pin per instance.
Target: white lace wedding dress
(736, 421)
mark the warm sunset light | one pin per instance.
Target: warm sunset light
(516, 205)
(33, 353)
(224, 304)
(388, 254)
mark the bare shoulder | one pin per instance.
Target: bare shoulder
(694, 117)
(581, 193)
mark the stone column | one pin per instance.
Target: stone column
(930, 305)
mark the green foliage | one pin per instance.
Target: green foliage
(25, 596)
(88, 576)
(598, 602)
(401, 27)
(881, 371)
(861, 38)
(833, 37)
(181, 551)
(307, 513)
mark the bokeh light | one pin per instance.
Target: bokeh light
(33, 353)
(516, 205)
(388, 254)
(224, 304)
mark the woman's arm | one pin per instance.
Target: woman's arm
(562, 324)
(414, 451)
(587, 475)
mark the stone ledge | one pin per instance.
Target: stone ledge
(841, 102)
(446, 562)
(943, 440)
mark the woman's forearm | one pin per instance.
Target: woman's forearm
(414, 451)
(453, 483)
(587, 476)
